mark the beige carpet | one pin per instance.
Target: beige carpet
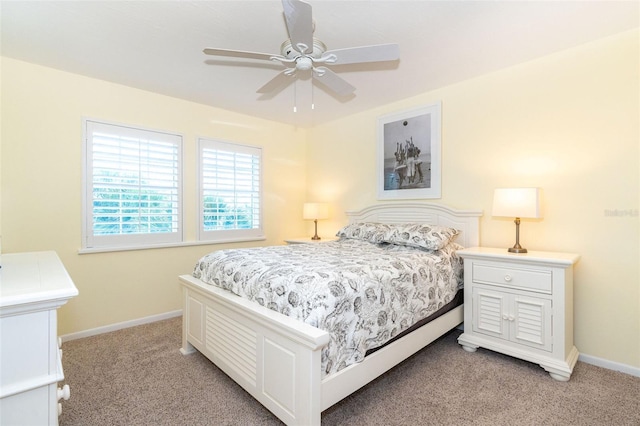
(137, 376)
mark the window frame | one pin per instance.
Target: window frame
(100, 243)
(230, 235)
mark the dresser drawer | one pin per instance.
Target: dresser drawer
(527, 279)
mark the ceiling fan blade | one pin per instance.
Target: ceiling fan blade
(299, 20)
(333, 81)
(239, 54)
(356, 55)
(280, 81)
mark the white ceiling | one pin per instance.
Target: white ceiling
(157, 45)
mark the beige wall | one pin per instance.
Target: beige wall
(568, 123)
(42, 112)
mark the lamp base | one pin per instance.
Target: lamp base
(517, 250)
(315, 237)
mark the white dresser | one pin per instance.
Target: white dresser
(32, 287)
(521, 305)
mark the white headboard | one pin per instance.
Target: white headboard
(466, 221)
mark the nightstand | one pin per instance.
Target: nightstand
(521, 305)
(308, 240)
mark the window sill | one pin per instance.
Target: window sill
(168, 245)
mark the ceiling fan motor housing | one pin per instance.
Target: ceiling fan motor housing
(304, 63)
(289, 52)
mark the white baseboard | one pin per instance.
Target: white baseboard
(610, 365)
(120, 325)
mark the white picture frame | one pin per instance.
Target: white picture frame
(409, 154)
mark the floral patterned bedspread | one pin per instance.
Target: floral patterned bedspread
(362, 293)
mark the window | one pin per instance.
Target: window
(230, 191)
(132, 187)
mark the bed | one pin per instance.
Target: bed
(278, 359)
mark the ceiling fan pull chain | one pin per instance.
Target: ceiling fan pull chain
(295, 107)
(313, 105)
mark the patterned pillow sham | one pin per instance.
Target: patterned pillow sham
(367, 231)
(430, 237)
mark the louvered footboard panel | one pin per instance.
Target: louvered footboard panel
(232, 343)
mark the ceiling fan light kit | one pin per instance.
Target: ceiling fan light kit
(303, 52)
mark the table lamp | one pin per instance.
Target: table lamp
(517, 203)
(315, 211)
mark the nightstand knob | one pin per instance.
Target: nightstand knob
(507, 278)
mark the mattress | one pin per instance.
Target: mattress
(457, 301)
(362, 293)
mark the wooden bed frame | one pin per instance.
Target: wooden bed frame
(277, 358)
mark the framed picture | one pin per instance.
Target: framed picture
(409, 154)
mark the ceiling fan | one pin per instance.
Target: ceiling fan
(302, 52)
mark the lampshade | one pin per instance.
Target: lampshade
(315, 211)
(517, 202)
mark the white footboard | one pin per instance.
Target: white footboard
(273, 357)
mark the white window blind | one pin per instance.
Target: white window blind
(230, 191)
(132, 186)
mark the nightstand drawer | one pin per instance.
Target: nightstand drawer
(529, 279)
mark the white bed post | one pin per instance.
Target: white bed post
(187, 315)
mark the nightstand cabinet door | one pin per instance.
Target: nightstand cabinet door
(521, 305)
(518, 318)
(531, 322)
(489, 311)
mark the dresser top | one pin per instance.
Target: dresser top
(34, 277)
